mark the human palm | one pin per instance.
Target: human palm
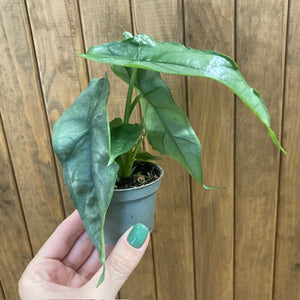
(67, 266)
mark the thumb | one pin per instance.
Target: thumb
(123, 259)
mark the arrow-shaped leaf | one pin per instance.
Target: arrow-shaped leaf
(142, 51)
(81, 141)
(168, 128)
(123, 138)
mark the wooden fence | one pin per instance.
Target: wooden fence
(240, 243)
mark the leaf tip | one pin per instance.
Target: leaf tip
(213, 187)
(275, 140)
(101, 279)
(283, 151)
(79, 54)
(111, 161)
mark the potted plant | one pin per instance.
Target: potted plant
(97, 154)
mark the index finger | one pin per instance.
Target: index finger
(63, 238)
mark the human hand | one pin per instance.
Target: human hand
(68, 266)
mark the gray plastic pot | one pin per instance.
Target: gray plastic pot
(131, 206)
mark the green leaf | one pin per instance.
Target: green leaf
(115, 123)
(81, 141)
(123, 138)
(142, 51)
(127, 35)
(167, 125)
(146, 156)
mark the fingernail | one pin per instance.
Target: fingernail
(137, 235)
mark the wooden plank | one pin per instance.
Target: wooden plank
(210, 25)
(2, 291)
(260, 33)
(113, 18)
(172, 236)
(57, 35)
(26, 126)
(15, 251)
(287, 271)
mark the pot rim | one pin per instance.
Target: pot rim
(145, 185)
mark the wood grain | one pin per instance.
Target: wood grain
(210, 25)
(25, 125)
(287, 271)
(2, 291)
(113, 18)
(172, 236)
(15, 250)
(260, 32)
(205, 245)
(57, 35)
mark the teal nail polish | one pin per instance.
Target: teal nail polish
(137, 235)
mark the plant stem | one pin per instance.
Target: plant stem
(129, 96)
(102, 253)
(126, 160)
(138, 145)
(138, 98)
(135, 102)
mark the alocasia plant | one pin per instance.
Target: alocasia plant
(94, 152)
